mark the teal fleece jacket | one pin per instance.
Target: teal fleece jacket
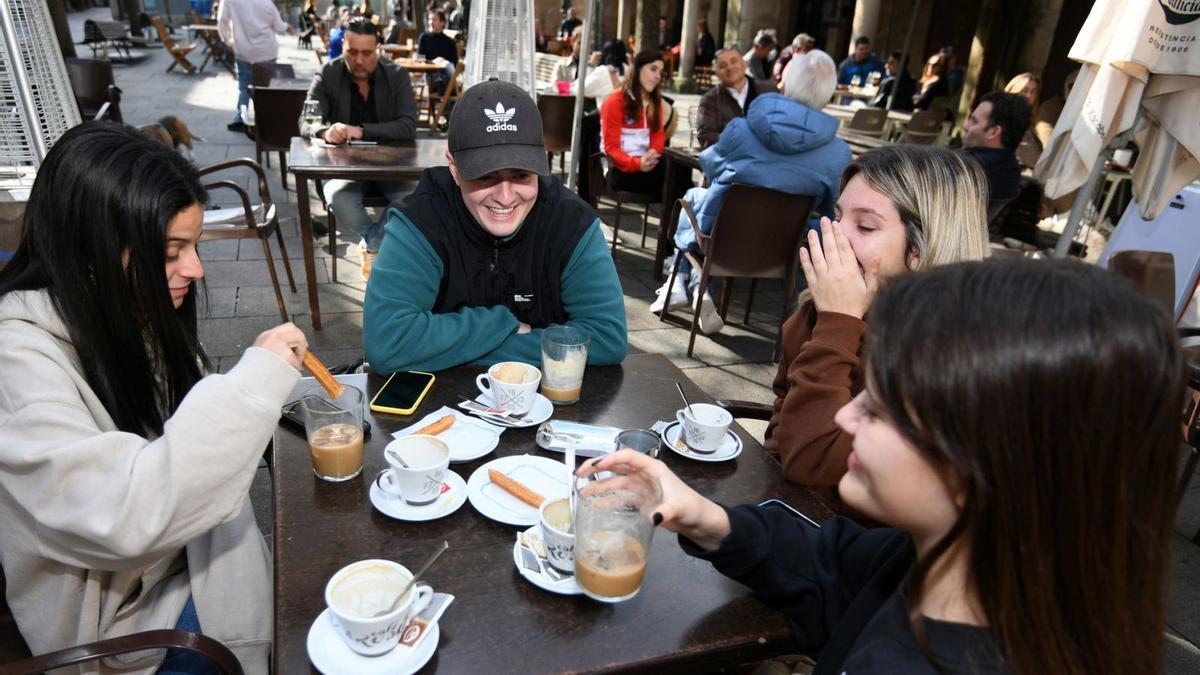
(400, 332)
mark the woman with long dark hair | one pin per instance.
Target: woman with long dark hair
(632, 123)
(1019, 434)
(125, 471)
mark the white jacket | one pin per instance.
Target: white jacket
(249, 28)
(95, 520)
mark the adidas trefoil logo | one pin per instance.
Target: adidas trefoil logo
(501, 117)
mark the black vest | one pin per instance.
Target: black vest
(523, 272)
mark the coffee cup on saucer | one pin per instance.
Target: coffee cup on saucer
(361, 595)
(512, 385)
(558, 534)
(418, 467)
(704, 426)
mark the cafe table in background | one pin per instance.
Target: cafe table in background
(686, 618)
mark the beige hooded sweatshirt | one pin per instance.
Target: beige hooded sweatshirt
(106, 533)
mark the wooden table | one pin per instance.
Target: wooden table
(687, 617)
(414, 66)
(860, 143)
(845, 113)
(399, 161)
(398, 51)
(678, 164)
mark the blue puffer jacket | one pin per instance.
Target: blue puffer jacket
(780, 144)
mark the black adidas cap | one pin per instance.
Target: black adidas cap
(496, 125)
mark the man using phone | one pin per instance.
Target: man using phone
(489, 250)
(362, 99)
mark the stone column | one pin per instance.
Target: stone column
(625, 11)
(687, 48)
(866, 22)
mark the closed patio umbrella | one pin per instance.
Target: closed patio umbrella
(1140, 78)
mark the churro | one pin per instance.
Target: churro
(516, 489)
(324, 377)
(437, 427)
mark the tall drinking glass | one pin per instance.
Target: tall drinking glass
(613, 530)
(335, 433)
(564, 356)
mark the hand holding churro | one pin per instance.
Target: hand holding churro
(324, 377)
(516, 489)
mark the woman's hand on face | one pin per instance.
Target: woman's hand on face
(682, 509)
(833, 274)
(287, 341)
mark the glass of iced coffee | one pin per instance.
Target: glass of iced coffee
(613, 530)
(335, 433)
(564, 356)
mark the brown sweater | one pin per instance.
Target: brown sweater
(819, 373)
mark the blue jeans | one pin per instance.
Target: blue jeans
(245, 78)
(183, 662)
(345, 200)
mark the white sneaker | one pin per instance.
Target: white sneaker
(678, 296)
(710, 321)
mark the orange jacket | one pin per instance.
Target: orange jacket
(612, 120)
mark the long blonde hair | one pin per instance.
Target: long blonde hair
(1017, 86)
(941, 196)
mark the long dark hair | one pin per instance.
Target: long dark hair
(633, 90)
(95, 239)
(1049, 393)
(616, 55)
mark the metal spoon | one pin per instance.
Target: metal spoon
(686, 404)
(393, 455)
(404, 591)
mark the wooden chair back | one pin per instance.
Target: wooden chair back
(558, 114)
(757, 233)
(277, 117)
(1152, 271)
(265, 72)
(93, 84)
(868, 121)
(924, 127)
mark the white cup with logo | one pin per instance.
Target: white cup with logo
(704, 426)
(558, 534)
(418, 474)
(360, 591)
(512, 385)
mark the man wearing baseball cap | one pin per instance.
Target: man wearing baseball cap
(489, 250)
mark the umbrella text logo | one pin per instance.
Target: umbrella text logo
(1179, 12)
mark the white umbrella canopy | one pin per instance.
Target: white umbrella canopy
(1141, 60)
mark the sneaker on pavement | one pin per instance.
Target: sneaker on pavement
(710, 320)
(678, 296)
(368, 261)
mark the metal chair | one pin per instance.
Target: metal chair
(277, 120)
(604, 188)
(178, 52)
(95, 90)
(924, 128)
(265, 72)
(868, 121)
(251, 221)
(558, 114)
(757, 235)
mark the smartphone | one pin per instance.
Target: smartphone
(787, 507)
(402, 392)
(293, 418)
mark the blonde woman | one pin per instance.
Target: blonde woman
(901, 208)
(1029, 86)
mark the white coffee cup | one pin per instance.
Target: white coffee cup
(704, 426)
(359, 591)
(560, 543)
(419, 479)
(515, 398)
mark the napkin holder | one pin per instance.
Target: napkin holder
(588, 440)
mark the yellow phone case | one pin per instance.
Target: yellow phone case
(402, 411)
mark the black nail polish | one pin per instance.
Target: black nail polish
(657, 519)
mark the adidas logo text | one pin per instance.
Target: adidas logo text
(501, 126)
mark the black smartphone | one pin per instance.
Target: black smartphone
(402, 392)
(776, 503)
(293, 418)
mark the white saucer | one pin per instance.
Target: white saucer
(540, 412)
(332, 656)
(448, 502)
(540, 474)
(730, 447)
(469, 438)
(568, 586)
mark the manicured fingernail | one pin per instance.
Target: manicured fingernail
(657, 519)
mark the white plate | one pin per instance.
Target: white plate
(730, 447)
(469, 438)
(332, 656)
(448, 502)
(540, 412)
(567, 586)
(540, 474)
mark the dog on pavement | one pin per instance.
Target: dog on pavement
(174, 133)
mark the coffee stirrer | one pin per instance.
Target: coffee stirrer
(424, 567)
(686, 404)
(324, 377)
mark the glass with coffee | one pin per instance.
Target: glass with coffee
(335, 433)
(613, 530)
(564, 356)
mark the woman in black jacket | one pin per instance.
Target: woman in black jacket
(1019, 434)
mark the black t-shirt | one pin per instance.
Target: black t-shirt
(362, 110)
(433, 45)
(568, 27)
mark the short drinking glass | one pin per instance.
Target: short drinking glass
(613, 530)
(564, 356)
(335, 433)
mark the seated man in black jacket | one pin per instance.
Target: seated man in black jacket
(729, 100)
(362, 99)
(991, 135)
